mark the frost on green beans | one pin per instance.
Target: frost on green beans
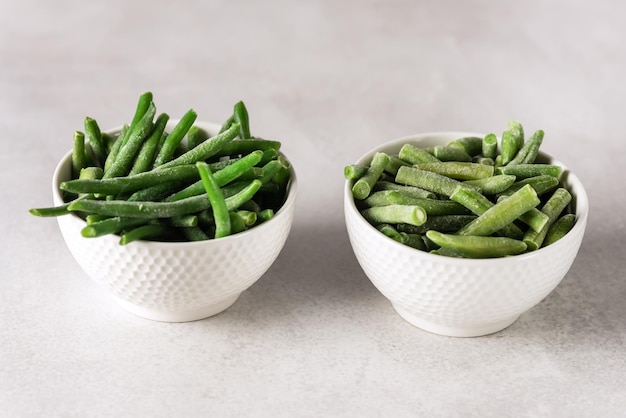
(479, 197)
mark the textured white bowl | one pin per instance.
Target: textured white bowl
(456, 296)
(177, 281)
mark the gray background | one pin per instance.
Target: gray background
(330, 79)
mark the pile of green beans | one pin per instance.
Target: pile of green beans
(148, 183)
(473, 197)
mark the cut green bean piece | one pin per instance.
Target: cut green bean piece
(517, 130)
(249, 217)
(542, 184)
(93, 136)
(413, 240)
(522, 171)
(471, 145)
(195, 233)
(529, 151)
(485, 161)
(145, 159)
(502, 213)
(431, 206)
(391, 232)
(489, 146)
(184, 221)
(428, 180)
(246, 146)
(265, 215)
(553, 208)
(218, 203)
(394, 164)
(237, 223)
(53, 211)
(510, 147)
(441, 223)
(478, 246)
(444, 153)
(110, 226)
(78, 154)
(175, 137)
(559, 229)
(458, 170)
(493, 185)
(205, 150)
(133, 141)
(414, 155)
(408, 190)
(91, 173)
(354, 171)
(363, 186)
(534, 218)
(395, 214)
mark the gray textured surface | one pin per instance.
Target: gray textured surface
(331, 80)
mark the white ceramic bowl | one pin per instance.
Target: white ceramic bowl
(456, 296)
(177, 281)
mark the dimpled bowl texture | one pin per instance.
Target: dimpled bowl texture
(177, 281)
(456, 296)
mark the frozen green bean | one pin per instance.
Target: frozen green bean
(559, 229)
(458, 170)
(395, 214)
(478, 246)
(364, 185)
(414, 155)
(552, 208)
(471, 145)
(489, 146)
(166, 153)
(492, 185)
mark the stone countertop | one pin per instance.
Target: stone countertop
(331, 80)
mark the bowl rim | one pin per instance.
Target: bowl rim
(213, 128)
(580, 200)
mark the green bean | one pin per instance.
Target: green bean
(145, 159)
(413, 240)
(430, 206)
(354, 171)
(553, 208)
(108, 226)
(510, 146)
(534, 218)
(93, 135)
(143, 232)
(428, 180)
(91, 173)
(195, 136)
(117, 185)
(529, 151)
(478, 246)
(414, 155)
(53, 211)
(78, 154)
(363, 186)
(542, 184)
(249, 217)
(441, 223)
(269, 155)
(205, 150)
(218, 203)
(559, 229)
(227, 124)
(265, 215)
(489, 146)
(240, 115)
(166, 153)
(494, 184)
(158, 191)
(458, 170)
(184, 221)
(223, 176)
(115, 148)
(445, 153)
(143, 105)
(237, 223)
(408, 190)
(391, 232)
(246, 146)
(238, 199)
(195, 233)
(522, 171)
(394, 164)
(471, 145)
(133, 141)
(485, 161)
(517, 130)
(502, 213)
(395, 214)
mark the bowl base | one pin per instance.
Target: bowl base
(179, 316)
(451, 330)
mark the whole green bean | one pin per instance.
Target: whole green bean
(395, 214)
(431, 206)
(78, 154)
(175, 137)
(143, 232)
(195, 136)
(93, 135)
(195, 233)
(218, 203)
(502, 213)
(240, 115)
(59, 210)
(246, 146)
(145, 158)
(115, 148)
(478, 246)
(363, 186)
(205, 150)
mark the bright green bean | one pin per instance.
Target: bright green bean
(93, 135)
(364, 185)
(394, 164)
(237, 223)
(205, 150)
(478, 246)
(265, 215)
(391, 232)
(78, 154)
(175, 137)
(246, 146)
(395, 214)
(108, 226)
(218, 203)
(115, 148)
(59, 210)
(145, 159)
(534, 218)
(502, 213)
(240, 115)
(195, 136)
(143, 232)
